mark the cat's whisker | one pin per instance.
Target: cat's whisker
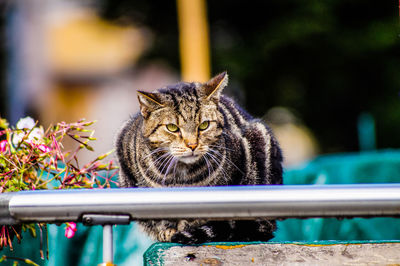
(170, 163)
(162, 157)
(163, 164)
(215, 159)
(175, 164)
(209, 161)
(166, 162)
(217, 153)
(218, 163)
(221, 147)
(155, 151)
(208, 164)
(219, 159)
(225, 175)
(155, 162)
(165, 175)
(174, 173)
(226, 134)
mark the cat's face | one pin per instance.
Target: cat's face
(183, 120)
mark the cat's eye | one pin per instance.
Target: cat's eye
(172, 127)
(204, 125)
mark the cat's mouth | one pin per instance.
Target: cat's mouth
(190, 158)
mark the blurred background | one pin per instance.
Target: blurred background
(324, 74)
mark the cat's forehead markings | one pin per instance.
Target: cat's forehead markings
(185, 112)
(181, 121)
(191, 110)
(184, 101)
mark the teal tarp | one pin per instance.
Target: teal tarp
(85, 248)
(357, 168)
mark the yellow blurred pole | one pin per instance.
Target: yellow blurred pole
(193, 40)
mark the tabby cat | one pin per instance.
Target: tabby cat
(189, 134)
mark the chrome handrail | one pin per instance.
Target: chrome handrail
(225, 202)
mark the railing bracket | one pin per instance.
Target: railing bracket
(107, 221)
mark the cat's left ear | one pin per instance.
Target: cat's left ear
(148, 102)
(214, 86)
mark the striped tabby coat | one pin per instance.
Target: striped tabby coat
(188, 134)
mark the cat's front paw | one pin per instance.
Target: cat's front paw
(166, 235)
(184, 237)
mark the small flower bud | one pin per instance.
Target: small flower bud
(101, 157)
(3, 146)
(70, 230)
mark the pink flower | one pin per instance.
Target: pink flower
(26, 122)
(3, 146)
(70, 230)
(43, 148)
(36, 134)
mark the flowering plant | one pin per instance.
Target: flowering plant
(31, 159)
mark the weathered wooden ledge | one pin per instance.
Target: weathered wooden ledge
(287, 253)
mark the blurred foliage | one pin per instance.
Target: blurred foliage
(329, 60)
(159, 16)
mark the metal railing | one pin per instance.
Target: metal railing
(120, 206)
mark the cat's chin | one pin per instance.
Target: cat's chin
(189, 159)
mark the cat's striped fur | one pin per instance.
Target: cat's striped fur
(234, 149)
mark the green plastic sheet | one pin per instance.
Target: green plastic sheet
(356, 168)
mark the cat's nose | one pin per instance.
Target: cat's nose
(192, 146)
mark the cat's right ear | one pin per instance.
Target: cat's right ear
(148, 102)
(214, 86)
